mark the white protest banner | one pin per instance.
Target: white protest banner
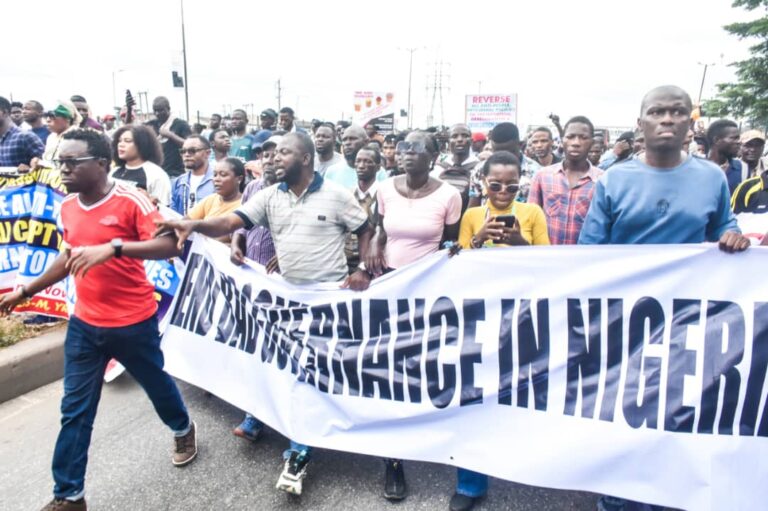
(376, 108)
(753, 226)
(635, 371)
(484, 111)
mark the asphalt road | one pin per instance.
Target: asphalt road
(130, 467)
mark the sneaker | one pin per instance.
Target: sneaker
(461, 502)
(65, 505)
(394, 480)
(293, 474)
(250, 428)
(186, 447)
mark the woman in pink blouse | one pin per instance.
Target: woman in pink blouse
(416, 214)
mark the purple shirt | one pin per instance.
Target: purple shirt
(259, 246)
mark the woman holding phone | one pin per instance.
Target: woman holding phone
(502, 221)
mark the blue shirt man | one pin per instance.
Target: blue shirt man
(636, 203)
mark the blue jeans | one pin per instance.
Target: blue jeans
(295, 446)
(471, 484)
(87, 349)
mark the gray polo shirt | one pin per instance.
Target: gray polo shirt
(309, 230)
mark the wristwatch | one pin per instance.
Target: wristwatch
(117, 244)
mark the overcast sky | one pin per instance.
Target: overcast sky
(594, 57)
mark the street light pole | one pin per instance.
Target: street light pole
(703, 77)
(184, 53)
(410, 81)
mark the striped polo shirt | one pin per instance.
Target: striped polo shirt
(309, 230)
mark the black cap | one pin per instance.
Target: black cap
(268, 113)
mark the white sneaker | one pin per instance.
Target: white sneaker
(294, 471)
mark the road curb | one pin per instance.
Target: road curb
(32, 363)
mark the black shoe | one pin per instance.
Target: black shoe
(394, 481)
(462, 502)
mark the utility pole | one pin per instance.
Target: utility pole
(279, 95)
(184, 53)
(410, 81)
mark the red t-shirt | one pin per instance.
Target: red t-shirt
(116, 293)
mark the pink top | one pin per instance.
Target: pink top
(415, 226)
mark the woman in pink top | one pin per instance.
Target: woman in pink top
(416, 212)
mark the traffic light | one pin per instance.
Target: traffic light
(178, 81)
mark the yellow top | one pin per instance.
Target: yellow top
(213, 206)
(533, 223)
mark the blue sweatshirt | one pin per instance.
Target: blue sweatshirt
(635, 203)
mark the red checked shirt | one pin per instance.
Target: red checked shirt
(117, 292)
(565, 207)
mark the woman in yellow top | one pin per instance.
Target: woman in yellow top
(228, 182)
(494, 225)
(485, 226)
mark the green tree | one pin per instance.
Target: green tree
(748, 97)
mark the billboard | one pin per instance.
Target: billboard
(377, 108)
(484, 111)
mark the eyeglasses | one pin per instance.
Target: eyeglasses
(495, 187)
(191, 150)
(417, 147)
(71, 162)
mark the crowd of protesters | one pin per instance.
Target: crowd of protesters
(342, 203)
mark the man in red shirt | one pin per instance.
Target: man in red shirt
(109, 228)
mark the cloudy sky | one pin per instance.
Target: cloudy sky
(594, 57)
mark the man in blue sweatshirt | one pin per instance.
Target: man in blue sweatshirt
(661, 196)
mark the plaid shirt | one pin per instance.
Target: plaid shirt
(259, 246)
(565, 207)
(17, 147)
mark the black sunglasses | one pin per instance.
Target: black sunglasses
(416, 146)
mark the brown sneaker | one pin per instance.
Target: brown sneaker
(186, 447)
(65, 505)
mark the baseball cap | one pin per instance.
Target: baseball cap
(479, 137)
(268, 113)
(272, 141)
(109, 117)
(752, 135)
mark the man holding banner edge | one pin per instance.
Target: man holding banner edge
(303, 210)
(638, 201)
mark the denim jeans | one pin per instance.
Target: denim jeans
(471, 484)
(87, 349)
(295, 446)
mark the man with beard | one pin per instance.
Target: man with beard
(196, 184)
(564, 190)
(541, 145)
(309, 218)
(724, 146)
(752, 147)
(344, 173)
(457, 169)
(325, 147)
